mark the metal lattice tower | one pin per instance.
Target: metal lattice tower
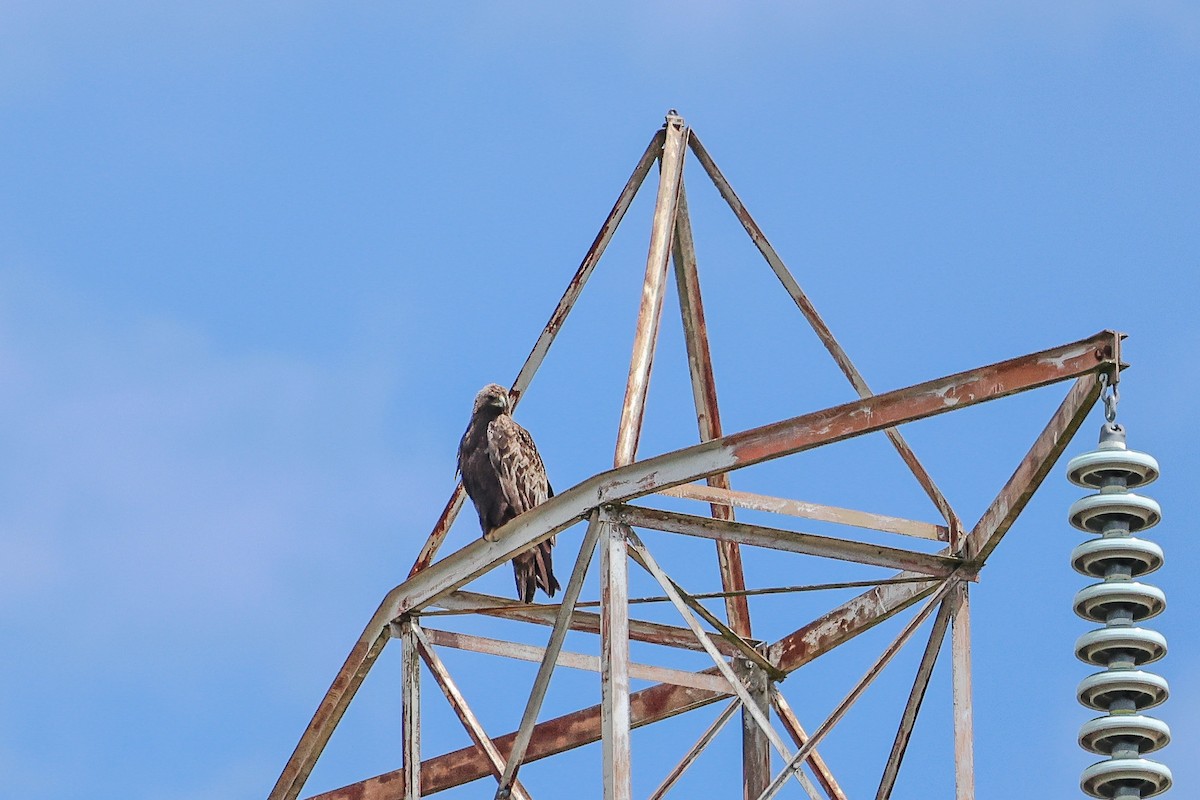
(745, 673)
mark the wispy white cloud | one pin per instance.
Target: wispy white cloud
(171, 477)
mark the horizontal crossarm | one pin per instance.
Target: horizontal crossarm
(791, 541)
(656, 703)
(750, 447)
(1096, 354)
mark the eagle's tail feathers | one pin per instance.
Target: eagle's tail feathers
(523, 570)
(534, 570)
(545, 569)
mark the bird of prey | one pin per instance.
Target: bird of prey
(504, 476)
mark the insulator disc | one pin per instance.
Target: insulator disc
(1104, 778)
(1144, 689)
(1102, 734)
(1096, 601)
(1092, 512)
(1094, 556)
(1099, 646)
(1090, 470)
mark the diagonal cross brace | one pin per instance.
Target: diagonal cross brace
(821, 329)
(651, 566)
(1088, 357)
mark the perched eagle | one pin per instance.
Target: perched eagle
(504, 476)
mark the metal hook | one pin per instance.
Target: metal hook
(1111, 396)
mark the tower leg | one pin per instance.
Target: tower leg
(411, 695)
(964, 734)
(614, 663)
(756, 747)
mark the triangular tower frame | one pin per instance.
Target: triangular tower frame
(745, 671)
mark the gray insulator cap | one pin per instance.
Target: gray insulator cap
(1096, 601)
(1102, 734)
(1143, 689)
(1104, 778)
(1091, 513)
(1099, 646)
(1095, 556)
(1094, 469)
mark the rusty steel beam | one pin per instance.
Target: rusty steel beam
(463, 711)
(852, 697)
(848, 620)
(806, 510)
(650, 311)
(1089, 356)
(791, 541)
(708, 413)
(750, 703)
(649, 705)
(581, 661)
(689, 758)
(411, 704)
(558, 635)
(737, 450)
(590, 260)
(749, 653)
(916, 696)
(542, 346)
(312, 742)
(820, 328)
(551, 737)
(1032, 470)
(617, 770)
(639, 630)
(756, 746)
(441, 529)
(791, 723)
(964, 724)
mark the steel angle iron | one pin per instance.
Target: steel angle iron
(1121, 602)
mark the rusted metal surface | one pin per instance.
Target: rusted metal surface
(852, 697)
(819, 326)
(440, 530)
(410, 673)
(614, 664)
(964, 725)
(791, 541)
(843, 623)
(1087, 357)
(756, 749)
(528, 652)
(791, 723)
(639, 630)
(915, 697)
(1032, 470)
(712, 460)
(542, 346)
(650, 311)
(748, 652)
(750, 704)
(590, 260)
(649, 705)
(463, 711)
(558, 635)
(750, 447)
(708, 412)
(799, 508)
(312, 742)
(551, 737)
(689, 758)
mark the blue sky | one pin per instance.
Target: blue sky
(256, 258)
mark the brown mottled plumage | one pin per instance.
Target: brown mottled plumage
(504, 476)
